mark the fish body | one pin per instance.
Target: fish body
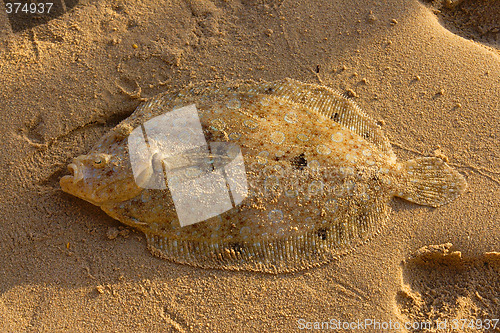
(272, 177)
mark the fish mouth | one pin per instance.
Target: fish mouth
(76, 169)
(72, 184)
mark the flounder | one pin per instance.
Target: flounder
(272, 176)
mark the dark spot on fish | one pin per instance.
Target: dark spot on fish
(236, 247)
(269, 90)
(317, 68)
(109, 173)
(209, 136)
(336, 116)
(366, 135)
(322, 233)
(299, 162)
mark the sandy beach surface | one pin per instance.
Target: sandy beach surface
(429, 71)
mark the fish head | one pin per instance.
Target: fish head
(100, 178)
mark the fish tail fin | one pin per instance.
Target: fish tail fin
(431, 182)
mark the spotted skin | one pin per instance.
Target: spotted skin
(320, 173)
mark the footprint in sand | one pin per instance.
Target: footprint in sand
(471, 19)
(440, 286)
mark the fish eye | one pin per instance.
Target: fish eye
(100, 161)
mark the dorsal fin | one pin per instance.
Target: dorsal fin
(333, 105)
(320, 99)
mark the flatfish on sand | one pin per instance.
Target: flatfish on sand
(271, 176)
